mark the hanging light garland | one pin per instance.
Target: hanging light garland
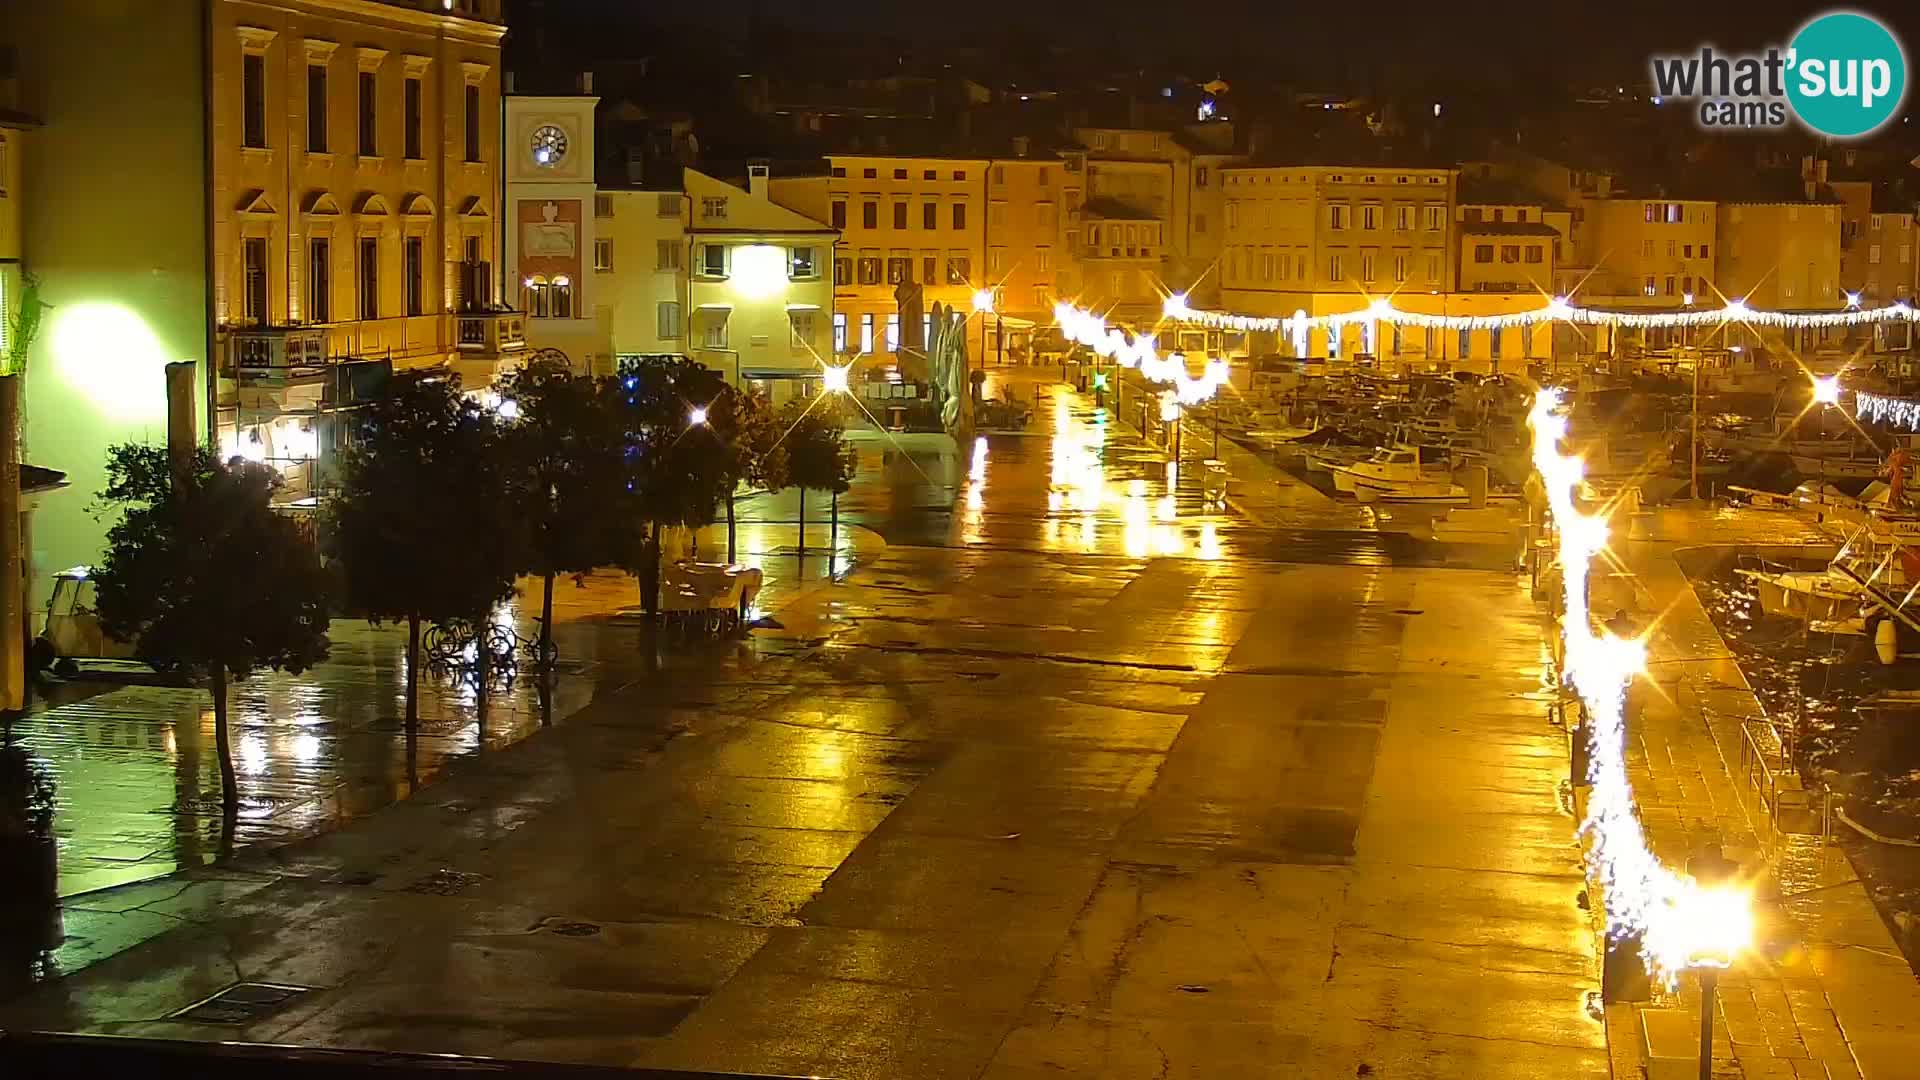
(1556, 310)
(1900, 412)
(1139, 351)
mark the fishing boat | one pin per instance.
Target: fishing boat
(1396, 474)
(1835, 591)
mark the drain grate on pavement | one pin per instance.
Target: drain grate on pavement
(446, 882)
(242, 1003)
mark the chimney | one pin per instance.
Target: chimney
(586, 83)
(1021, 145)
(757, 180)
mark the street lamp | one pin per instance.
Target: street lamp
(1826, 390)
(833, 380)
(983, 304)
(697, 416)
(1717, 918)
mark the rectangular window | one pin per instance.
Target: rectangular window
(843, 271)
(929, 215)
(1369, 216)
(1493, 342)
(900, 215)
(713, 208)
(1703, 251)
(1466, 345)
(413, 119)
(1199, 224)
(869, 215)
(473, 123)
(319, 280)
(1436, 218)
(1399, 268)
(1686, 251)
(1673, 248)
(802, 324)
(930, 269)
(997, 260)
(667, 319)
(713, 328)
(1336, 217)
(866, 332)
(1199, 176)
(1334, 269)
(1042, 298)
(899, 174)
(1483, 253)
(801, 265)
(929, 174)
(959, 269)
(316, 108)
(369, 116)
(1674, 214)
(869, 269)
(603, 255)
(414, 254)
(666, 254)
(999, 175)
(1672, 284)
(1366, 266)
(959, 215)
(893, 332)
(1533, 253)
(1651, 213)
(253, 100)
(713, 260)
(1403, 218)
(839, 214)
(369, 277)
(668, 204)
(1509, 253)
(1043, 261)
(253, 294)
(603, 206)
(1651, 287)
(898, 267)
(1873, 253)
(1646, 249)
(839, 331)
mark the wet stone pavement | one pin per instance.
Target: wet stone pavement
(1073, 775)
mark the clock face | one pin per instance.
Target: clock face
(549, 146)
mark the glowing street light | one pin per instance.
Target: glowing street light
(983, 300)
(1853, 299)
(833, 380)
(1826, 390)
(697, 416)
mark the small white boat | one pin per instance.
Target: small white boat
(1833, 592)
(1395, 474)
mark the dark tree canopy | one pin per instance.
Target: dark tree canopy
(818, 454)
(567, 452)
(208, 575)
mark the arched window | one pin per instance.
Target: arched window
(561, 305)
(536, 296)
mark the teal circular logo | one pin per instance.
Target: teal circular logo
(1846, 74)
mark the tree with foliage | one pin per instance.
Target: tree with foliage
(566, 451)
(427, 523)
(818, 454)
(674, 476)
(203, 576)
(748, 433)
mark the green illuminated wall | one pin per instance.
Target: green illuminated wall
(114, 203)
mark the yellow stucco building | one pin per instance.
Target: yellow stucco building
(310, 179)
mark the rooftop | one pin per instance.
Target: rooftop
(1507, 228)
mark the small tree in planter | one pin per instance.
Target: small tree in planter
(675, 476)
(425, 522)
(818, 455)
(750, 447)
(565, 451)
(205, 578)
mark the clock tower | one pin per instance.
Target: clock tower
(548, 222)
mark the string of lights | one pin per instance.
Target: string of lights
(1900, 412)
(1681, 923)
(1175, 307)
(1140, 351)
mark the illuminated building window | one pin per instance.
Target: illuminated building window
(866, 332)
(802, 325)
(893, 332)
(316, 108)
(319, 280)
(369, 115)
(713, 209)
(413, 118)
(537, 297)
(1493, 343)
(713, 328)
(253, 285)
(801, 265)
(929, 272)
(603, 255)
(253, 100)
(473, 122)
(840, 331)
(898, 269)
(1466, 345)
(869, 269)
(415, 272)
(369, 277)
(843, 271)
(562, 290)
(959, 269)
(713, 260)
